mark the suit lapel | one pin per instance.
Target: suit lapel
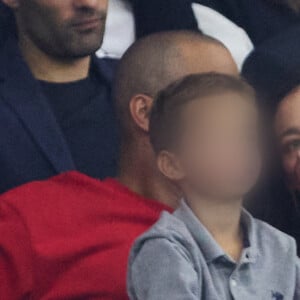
(21, 92)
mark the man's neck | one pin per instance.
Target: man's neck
(223, 220)
(48, 68)
(138, 172)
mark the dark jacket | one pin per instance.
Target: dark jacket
(32, 145)
(7, 23)
(161, 15)
(261, 19)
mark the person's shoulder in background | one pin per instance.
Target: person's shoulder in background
(67, 224)
(214, 24)
(141, 18)
(261, 19)
(73, 188)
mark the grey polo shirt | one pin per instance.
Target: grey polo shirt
(178, 259)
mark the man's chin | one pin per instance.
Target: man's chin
(81, 53)
(82, 50)
(79, 45)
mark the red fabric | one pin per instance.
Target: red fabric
(69, 238)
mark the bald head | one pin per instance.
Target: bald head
(154, 62)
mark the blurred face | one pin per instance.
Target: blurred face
(219, 152)
(287, 128)
(63, 28)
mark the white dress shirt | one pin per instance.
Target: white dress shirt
(119, 31)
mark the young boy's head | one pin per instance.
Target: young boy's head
(204, 130)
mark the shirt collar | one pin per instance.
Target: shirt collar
(209, 247)
(250, 235)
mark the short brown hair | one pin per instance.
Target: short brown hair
(165, 116)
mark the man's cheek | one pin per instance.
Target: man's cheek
(289, 164)
(58, 12)
(102, 5)
(292, 172)
(297, 173)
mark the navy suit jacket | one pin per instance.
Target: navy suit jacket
(32, 145)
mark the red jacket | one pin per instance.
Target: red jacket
(69, 238)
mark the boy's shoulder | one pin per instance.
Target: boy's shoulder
(270, 239)
(169, 228)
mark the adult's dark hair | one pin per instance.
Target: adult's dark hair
(165, 119)
(273, 68)
(287, 87)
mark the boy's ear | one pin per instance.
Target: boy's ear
(12, 3)
(140, 108)
(169, 166)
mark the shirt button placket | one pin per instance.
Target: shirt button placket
(233, 283)
(233, 287)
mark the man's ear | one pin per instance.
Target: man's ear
(13, 4)
(140, 108)
(169, 166)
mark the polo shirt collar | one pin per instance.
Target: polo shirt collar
(205, 241)
(250, 232)
(208, 246)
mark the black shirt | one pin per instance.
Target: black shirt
(83, 111)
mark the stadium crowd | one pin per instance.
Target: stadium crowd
(133, 133)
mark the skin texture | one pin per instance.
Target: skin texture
(57, 38)
(147, 67)
(287, 129)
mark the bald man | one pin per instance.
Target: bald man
(69, 237)
(146, 68)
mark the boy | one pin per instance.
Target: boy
(204, 129)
